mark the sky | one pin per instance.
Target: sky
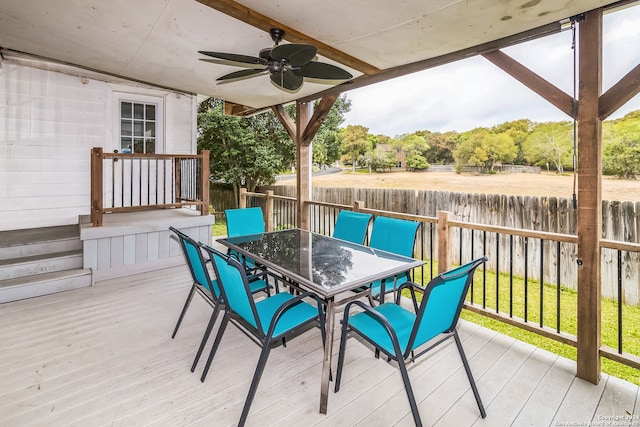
(475, 93)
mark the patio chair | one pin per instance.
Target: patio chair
(244, 222)
(268, 322)
(352, 226)
(399, 332)
(204, 286)
(397, 236)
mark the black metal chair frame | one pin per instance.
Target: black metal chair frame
(266, 341)
(409, 355)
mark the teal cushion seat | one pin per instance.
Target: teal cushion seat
(295, 316)
(401, 321)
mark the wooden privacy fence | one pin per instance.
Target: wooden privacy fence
(133, 182)
(621, 223)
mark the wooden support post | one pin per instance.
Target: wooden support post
(444, 241)
(589, 225)
(358, 205)
(303, 164)
(269, 211)
(243, 198)
(97, 184)
(204, 181)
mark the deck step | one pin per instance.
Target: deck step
(39, 241)
(43, 284)
(40, 264)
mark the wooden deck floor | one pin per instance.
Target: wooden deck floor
(104, 356)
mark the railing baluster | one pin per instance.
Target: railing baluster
(526, 279)
(511, 275)
(497, 272)
(541, 282)
(620, 293)
(484, 271)
(558, 252)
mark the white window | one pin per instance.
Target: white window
(139, 127)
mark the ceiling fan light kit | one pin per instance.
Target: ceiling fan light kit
(286, 64)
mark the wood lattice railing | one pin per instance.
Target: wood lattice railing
(133, 182)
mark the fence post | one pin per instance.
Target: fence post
(96, 186)
(358, 205)
(243, 198)
(204, 183)
(269, 211)
(444, 241)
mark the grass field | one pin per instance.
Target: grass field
(543, 184)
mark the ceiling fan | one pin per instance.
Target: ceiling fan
(287, 64)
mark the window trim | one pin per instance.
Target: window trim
(120, 97)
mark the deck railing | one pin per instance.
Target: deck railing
(516, 286)
(133, 182)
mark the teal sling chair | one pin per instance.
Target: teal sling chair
(352, 226)
(204, 286)
(399, 332)
(267, 321)
(244, 222)
(397, 236)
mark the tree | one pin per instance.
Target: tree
(621, 146)
(355, 143)
(243, 151)
(417, 162)
(483, 148)
(327, 144)
(550, 143)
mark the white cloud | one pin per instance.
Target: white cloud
(474, 93)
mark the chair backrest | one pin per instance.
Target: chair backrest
(245, 221)
(352, 226)
(394, 235)
(442, 302)
(234, 285)
(196, 263)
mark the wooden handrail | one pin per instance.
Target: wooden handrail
(147, 182)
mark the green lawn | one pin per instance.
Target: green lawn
(219, 228)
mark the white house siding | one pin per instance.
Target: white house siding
(49, 121)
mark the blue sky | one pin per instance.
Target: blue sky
(473, 92)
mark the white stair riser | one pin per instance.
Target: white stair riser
(40, 248)
(29, 268)
(36, 288)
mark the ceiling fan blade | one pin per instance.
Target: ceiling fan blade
(287, 80)
(235, 64)
(245, 59)
(295, 54)
(241, 74)
(320, 70)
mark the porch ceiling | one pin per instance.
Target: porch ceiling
(157, 41)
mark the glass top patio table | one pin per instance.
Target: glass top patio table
(324, 265)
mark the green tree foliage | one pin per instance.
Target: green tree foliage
(355, 143)
(244, 151)
(483, 148)
(417, 162)
(550, 143)
(621, 146)
(327, 145)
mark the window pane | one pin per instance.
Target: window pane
(125, 110)
(125, 127)
(150, 112)
(150, 129)
(125, 145)
(138, 145)
(138, 128)
(138, 111)
(151, 146)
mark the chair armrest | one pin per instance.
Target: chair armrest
(378, 317)
(290, 304)
(413, 287)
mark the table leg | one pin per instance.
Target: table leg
(326, 361)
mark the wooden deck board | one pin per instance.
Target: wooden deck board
(104, 356)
